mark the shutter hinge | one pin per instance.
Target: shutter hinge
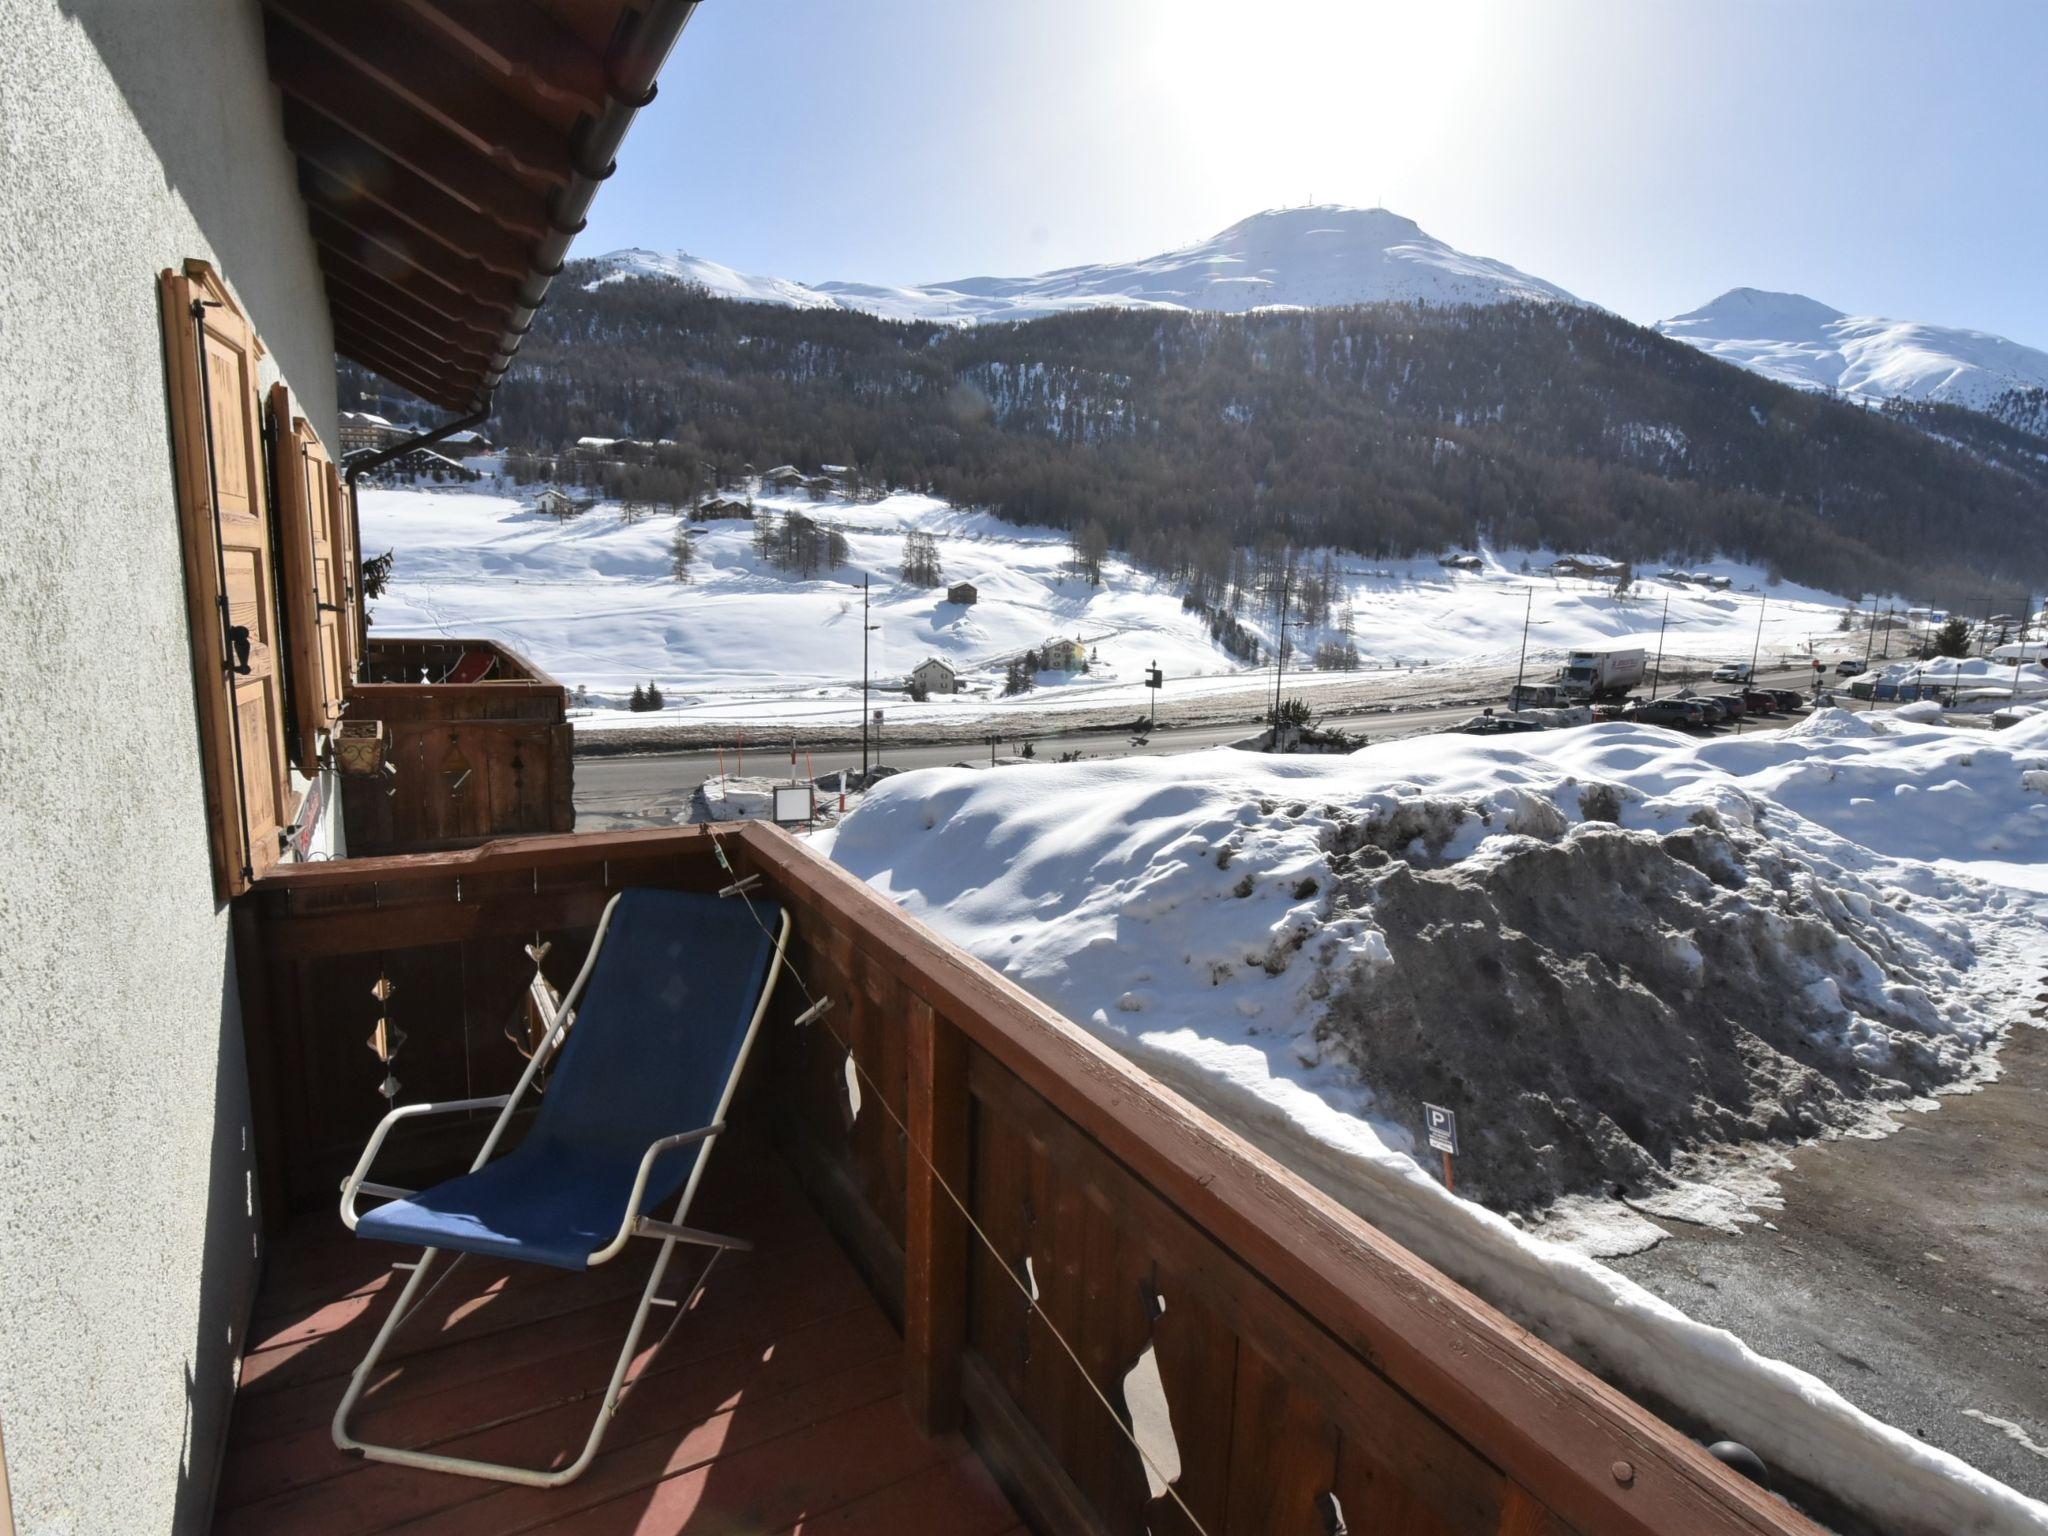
(237, 659)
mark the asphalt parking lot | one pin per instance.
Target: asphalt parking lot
(1910, 1272)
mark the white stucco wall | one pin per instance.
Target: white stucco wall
(133, 134)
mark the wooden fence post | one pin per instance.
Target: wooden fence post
(935, 1233)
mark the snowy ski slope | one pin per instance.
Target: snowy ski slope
(592, 602)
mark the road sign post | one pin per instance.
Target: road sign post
(1155, 680)
(1442, 1128)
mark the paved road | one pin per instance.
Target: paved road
(616, 793)
(1910, 1272)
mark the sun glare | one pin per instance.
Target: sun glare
(1332, 99)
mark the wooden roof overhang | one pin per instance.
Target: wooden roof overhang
(448, 151)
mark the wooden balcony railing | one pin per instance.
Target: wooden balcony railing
(480, 741)
(1317, 1377)
(442, 661)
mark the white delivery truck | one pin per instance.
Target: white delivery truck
(1596, 675)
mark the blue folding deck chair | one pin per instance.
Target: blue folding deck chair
(658, 1026)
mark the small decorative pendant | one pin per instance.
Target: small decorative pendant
(386, 1040)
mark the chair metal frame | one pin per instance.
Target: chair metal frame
(667, 1233)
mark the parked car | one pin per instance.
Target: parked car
(1731, 704)
(1680, 714)
(1850, 668)
(1760, 701)
(1732, 672)
(1789, 699)
(1498, 725)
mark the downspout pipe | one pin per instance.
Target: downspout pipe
(356, 465)
(360, 464)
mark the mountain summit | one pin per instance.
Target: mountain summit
(1801, 341)
(1310, 257)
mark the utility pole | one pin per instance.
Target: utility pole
(1869, 646)
(1279, 651)
(866, 629)
(1656, 673)
(2020, 658)
(1515, 706)
(1756, 650)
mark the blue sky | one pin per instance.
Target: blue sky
(1887, 158)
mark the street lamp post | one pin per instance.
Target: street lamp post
(1755, 652)
(866, 629)
(1656, 672)
(1515, 702)
(2020, 652)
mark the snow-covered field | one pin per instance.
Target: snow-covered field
(592, 602)
(1309, 947)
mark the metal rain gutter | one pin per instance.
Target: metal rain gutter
(638, 54)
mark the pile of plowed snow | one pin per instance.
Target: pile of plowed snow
(1594, 1002)
(1611, 952)
(1622, 955)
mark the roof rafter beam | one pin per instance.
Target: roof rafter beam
(400, 311)
(454, 228)
(451, 394)
(448, 379)
(432, 394)
(432, 352)
(321, 141)
(522, 43)
(396, 129)
(376, 41)
(387, 243)
(428, 385)
(365, 263)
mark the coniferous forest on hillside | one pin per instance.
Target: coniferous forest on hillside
(1390, 430)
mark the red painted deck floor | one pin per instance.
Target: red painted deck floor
(775, 1407)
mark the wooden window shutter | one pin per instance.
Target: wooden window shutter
(315, 590)
(230, 588)
(348, 567)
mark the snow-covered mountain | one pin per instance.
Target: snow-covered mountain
(713, 276)
(1802, 342)
(1310, 257)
